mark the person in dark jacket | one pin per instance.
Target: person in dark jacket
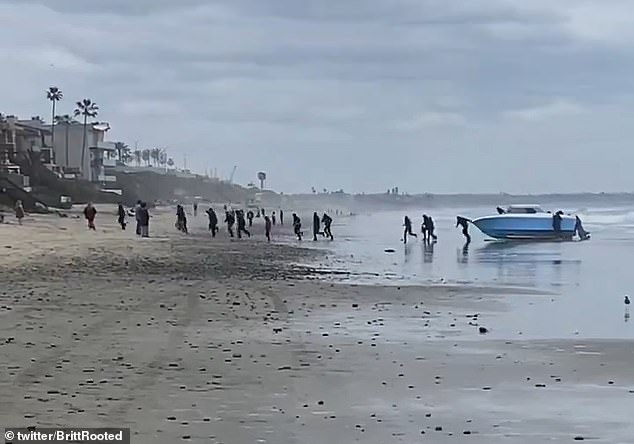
(267, 228)
(181, 219)
(408, 229)
(464, 223)
(230, 220)
(144, 220)
(557, 221)
(195, 209)
(297, 226)
(137, 207)
(89, 213)
(242, 224)
(250, 217)
(273, 219)
(213, 221)
(316, 226)
(327, 221)
(281, 217)
(121, 216)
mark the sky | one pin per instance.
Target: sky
(442, 96)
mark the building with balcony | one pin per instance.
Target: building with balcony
(94, 163)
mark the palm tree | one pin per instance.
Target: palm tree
(54, 94)
(145, 154)
(65, 120)
(155, 154)
(86, 108)
(137, 157)
(163, 157)
(123, 151)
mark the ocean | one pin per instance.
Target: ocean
(576, 289)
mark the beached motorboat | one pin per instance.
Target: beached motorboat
(529, 222)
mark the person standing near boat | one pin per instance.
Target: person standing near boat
(557, 221)
(408, 229)
(464, 223)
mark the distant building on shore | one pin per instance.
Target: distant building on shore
(100, 156)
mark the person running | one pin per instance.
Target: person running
(19, 211)
(316, 226)
(230, 220)
(408, 229)
(213, 221)
(297, 226)
(464, 223)
(137, 208)
(250, 217)
(273, 218)
(242, 224)
(181, 219)
(327, 220)
(195, 209)
(144, 220)
(281, 217)
(267, 228)
(121, 218)
(89, 213)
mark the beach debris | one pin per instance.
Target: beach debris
(627, 300)
(483, 330)
(390, 250)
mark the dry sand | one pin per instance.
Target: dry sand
(188, 339)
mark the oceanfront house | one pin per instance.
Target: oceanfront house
(93, 161)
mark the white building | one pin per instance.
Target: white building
(99, 157)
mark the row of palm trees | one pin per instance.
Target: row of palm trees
(87, 108)
(150, 157)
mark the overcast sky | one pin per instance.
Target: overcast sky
(426, 95)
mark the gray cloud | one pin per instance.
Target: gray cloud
(412, 92)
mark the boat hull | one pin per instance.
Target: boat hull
(526, 227)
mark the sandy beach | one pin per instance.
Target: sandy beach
(189, 339)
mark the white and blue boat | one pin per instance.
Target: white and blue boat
(529, 222)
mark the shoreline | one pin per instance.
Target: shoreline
(223, 342)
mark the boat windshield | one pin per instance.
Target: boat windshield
(524, 209)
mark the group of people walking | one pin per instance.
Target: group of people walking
(427, 229)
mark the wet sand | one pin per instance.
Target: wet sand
(188, 339)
